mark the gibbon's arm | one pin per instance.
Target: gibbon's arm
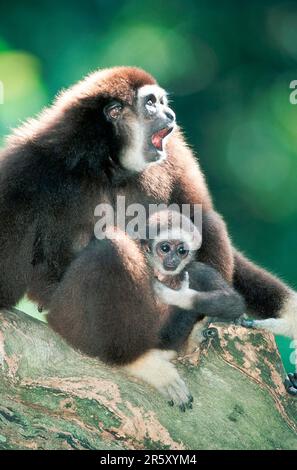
(216, 248)
(217, 299)
(175, 332)
(267, 297)
(215, 296)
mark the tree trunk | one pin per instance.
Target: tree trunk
(52, 397)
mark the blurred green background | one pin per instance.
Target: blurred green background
(227, 65)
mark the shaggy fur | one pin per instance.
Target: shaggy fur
(98, 311)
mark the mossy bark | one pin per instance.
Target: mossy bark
(52, 397)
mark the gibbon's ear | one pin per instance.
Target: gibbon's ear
(145, 244)
(113, 110)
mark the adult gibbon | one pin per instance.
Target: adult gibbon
(111, 134)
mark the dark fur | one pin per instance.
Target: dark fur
(113, 317)
(216, 298)
(264, 293)
(55, 170)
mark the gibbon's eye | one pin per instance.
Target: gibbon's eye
(113, 110)
(182, 251)
(165, 247)
(150, 100)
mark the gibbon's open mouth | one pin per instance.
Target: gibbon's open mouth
(158, 137)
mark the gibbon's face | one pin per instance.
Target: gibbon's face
(143, 126)
(171, 256)
(116, 116)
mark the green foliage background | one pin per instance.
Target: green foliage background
(228, 66)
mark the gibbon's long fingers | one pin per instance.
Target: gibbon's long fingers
(182, 298)
(291, 384)
(179, 394)
(185, 285)
(154, 368)
(278, 326)
(293, 379)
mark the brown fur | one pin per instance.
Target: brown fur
(121, 298)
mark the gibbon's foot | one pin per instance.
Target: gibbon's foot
(183, 407)
(155, 368)
(293, 379)
(291, 384)
(177, 393)
(210, 333)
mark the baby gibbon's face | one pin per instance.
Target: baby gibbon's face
(171, 256)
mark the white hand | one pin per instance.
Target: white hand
(185, 285)
(182, 297)
(165, 294)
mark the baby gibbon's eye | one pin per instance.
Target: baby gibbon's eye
(182, 251)
(165, 247)
(113, 110)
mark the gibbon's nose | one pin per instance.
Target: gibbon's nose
(170, 115)
(171, 264)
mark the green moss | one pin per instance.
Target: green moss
(238, 410)
(265, 373)
(272, 358)
(49, 398)
(154, 445)
(236, 353)
(290, 404)
(257, 339)
(93, 413)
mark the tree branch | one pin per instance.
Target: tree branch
(52, 397)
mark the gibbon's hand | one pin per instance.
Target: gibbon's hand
(185, 284)
(180, 298)
(163, 292)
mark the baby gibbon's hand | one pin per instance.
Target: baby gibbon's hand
(185, 284)
(165, 294)
(170, 296)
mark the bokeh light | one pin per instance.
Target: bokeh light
(23, 91)
(282, 26)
